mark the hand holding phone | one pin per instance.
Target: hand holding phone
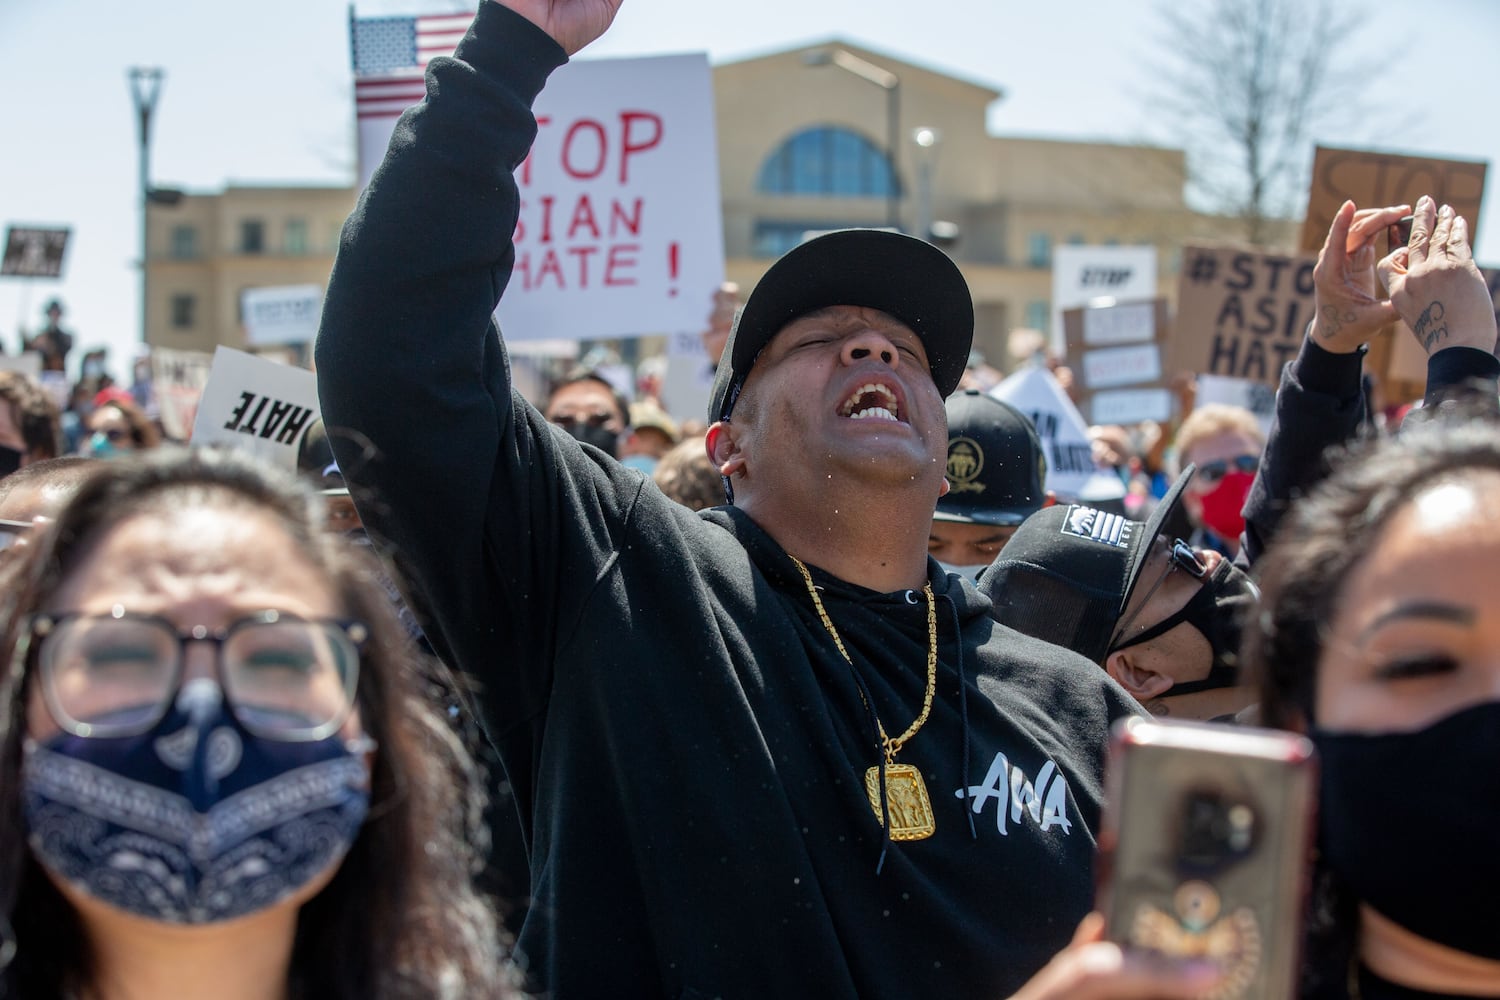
(1205, 846)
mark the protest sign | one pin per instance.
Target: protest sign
(620, 230)
(1081, 274)
(177, 381)
(1071, 473)
(34, 252)
(27, 363)
(251, 404)
(286, 314)
(689, 379)
(1240, 312)
(1374, 180)
(1116, 361)
(1257, 397)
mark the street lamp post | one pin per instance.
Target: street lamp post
(891, 84)
(145, 88)
(926, 140)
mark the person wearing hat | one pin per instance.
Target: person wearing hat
(765, 749)
(651, 435)
(52, 342)
(995, 472)
(1161, 617)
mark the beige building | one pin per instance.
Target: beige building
(804, 136)
(207, 249)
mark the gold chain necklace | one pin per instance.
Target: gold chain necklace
(905, 792)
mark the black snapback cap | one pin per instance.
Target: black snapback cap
(996, 467)
(1067, 573)
(908, 278)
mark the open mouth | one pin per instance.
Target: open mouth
(872, 401)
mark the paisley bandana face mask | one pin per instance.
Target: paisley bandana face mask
(196, 820)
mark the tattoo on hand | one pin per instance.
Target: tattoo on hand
(1331, 321)
(1430, 327)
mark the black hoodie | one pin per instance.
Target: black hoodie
(686, 745)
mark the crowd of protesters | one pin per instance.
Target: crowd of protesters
(812, 697)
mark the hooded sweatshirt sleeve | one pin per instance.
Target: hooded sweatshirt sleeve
(499, 522)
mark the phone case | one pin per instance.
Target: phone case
(1205, 846)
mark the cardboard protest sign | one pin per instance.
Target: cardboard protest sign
(1115, 353)
(1064, 434)
(34, 252)
(1257, 397)
(285, 314)
(251, 404)
(1081, 274)
(620, 230)
(177, 381)
(1373, 180)
(1240, 312)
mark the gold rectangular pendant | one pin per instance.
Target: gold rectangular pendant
(906, 797)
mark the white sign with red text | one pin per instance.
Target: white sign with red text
(620, 229)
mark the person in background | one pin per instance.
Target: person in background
(116, 426)
(220, 774)
(1379, 636)
(52, 342)
(30, 427)
(996, 474)
(1224, 443)
(589, 407)
(1161, 617)
(651, 435)
(685, 474)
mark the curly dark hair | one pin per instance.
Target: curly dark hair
(401, 917)
(1319, 547)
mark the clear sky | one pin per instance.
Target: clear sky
(261, 92)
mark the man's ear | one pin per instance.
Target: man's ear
(724, 449)
(1143, 684)
(943, 489)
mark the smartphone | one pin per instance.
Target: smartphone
(1205, 846)
(1398, 233)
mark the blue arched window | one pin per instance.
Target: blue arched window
(828, 161)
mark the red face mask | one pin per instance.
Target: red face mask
(1223, 504)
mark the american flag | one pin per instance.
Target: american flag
(391, 54)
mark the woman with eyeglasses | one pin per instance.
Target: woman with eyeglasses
(222, 773)
(117, 427)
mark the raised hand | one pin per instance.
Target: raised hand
(571, 23)
(1435, 285)
(1349, 311)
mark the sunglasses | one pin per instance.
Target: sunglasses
(10, 531)
(1180, 555)
(1210, 473)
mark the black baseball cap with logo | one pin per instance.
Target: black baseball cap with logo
(901, 275)
(996, 467)
(1067, 573)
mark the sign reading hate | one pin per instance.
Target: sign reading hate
(256, 405)
(1240, 312)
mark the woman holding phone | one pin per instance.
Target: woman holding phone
(221, 772)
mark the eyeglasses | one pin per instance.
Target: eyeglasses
(115, 434)
(1180, 555)
(11, 532)
(568, 421)
(284, 678)
(1210, 473)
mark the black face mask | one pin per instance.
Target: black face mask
(1218, 611)
(600, 437)
(1408, 820)
(10, 460)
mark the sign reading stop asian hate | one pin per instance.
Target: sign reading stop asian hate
(619, 231)
(1240, 312)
